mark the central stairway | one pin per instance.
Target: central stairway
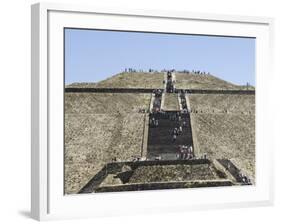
(163, 143)
(160, 137)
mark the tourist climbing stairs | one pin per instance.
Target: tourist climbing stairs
(169, 127)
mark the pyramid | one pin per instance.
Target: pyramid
(109, 126)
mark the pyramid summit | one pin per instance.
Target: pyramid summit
(154, 80)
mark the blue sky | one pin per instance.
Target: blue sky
(94, 55)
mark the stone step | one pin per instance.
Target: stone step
(164, 156)
(168, 140)
(167, 132)
(171, 124)
(156, 149)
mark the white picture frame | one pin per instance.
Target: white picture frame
(47, 198)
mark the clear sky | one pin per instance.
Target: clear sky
(94, 55)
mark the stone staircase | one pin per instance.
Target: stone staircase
(234, 172)
(160, 137)
(163, 122)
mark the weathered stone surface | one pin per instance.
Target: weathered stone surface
(224, 126)
(166, 173)
(127, 80)
(196, 81)
(100, 103)
(222, 103)
(171, 102)
(98, 128)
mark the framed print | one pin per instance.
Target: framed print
(152, 110)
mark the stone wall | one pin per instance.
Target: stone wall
(222, 103)
(159, 173)
(164, 185)
(100, 128)
(225, 128)
(171, 102)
